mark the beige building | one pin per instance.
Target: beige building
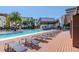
(3, 19)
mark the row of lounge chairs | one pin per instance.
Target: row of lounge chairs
(21, 46)
(26, 43)
(14, 47)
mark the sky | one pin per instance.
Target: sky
(36, 11)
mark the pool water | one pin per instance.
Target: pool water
(14, 34)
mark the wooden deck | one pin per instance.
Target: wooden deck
(61, 43)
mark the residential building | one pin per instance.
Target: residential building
(3, 19)
(67, 18)
(74, 31)
(61, 20)
(48, 23)
(73, 10)
(69, 14)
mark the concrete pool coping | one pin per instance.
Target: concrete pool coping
(2, 39)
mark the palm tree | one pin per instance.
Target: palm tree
(8, 23)
(24, 24)
(15, 18)
(35, 23)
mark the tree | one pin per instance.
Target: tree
(66, 25)
(15, 18)
(8, 22)
(24, 24)
(32, 22)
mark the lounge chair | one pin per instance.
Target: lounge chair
(29, 42)
(41, 39)
(35, 42)
(45, 37)
(14, 47)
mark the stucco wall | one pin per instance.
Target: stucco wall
(2, 21)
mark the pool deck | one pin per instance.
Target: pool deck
(61, 43)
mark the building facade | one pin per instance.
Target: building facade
(69, 14)
(74, 31)
(48, 23)
(67, 18)
(73, 10)
(3, 17)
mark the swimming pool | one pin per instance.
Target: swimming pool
(19, 33)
